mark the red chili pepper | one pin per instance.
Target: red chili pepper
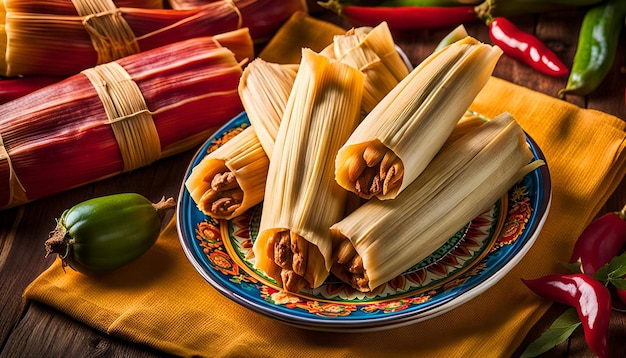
(600, 242)
(403, 17)
(591, 299)
(525, 47)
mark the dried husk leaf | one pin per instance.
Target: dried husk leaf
(264, 17)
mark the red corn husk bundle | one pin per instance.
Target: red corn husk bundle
(62, 45)
(67, 7)
(12, 88)
(87, 127)
(263, 17)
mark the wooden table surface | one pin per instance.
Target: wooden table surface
(40, 331)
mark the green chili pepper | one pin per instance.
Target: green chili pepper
(105, 233)
(510, 8)
(597, 45)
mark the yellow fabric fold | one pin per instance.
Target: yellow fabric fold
(160, 300)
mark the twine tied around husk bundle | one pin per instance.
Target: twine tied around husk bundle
(128, 114)
(111, 35)
(237, 12)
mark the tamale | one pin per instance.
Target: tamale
(405, 130)
(382, 239)
(115, 117)
(231, 179)
(301, 199)
(264, 90)
(373, 52)
(38, 43)
(378, 39)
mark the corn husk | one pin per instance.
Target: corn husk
(402, 134)
(301, 198)
(68, 7)
(264, 90)
(231, 179)
(385, 238)
(263, 17)
(38, 43)
(68, 134)
(12, 88)
(373, 52)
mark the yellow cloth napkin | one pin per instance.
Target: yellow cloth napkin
(161, 301)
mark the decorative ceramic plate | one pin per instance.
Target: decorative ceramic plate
(472, 260)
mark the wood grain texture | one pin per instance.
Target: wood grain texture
(40, 331)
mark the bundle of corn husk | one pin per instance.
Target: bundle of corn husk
(69, 7)
(118, 116)
(40, 40)
(12, 88)
(259, 6)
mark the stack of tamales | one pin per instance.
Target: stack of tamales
(232, 179)
(118, 116)
(415, 155)
(63, 37)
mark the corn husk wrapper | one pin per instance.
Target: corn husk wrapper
(37, 43)
(415, 119)
(264, 90)
(13, 88)
(244, 159)
(466, 177)
(301, 196)
(67, 134)
(372, 51)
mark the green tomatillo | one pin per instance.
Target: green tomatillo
(102, 234)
